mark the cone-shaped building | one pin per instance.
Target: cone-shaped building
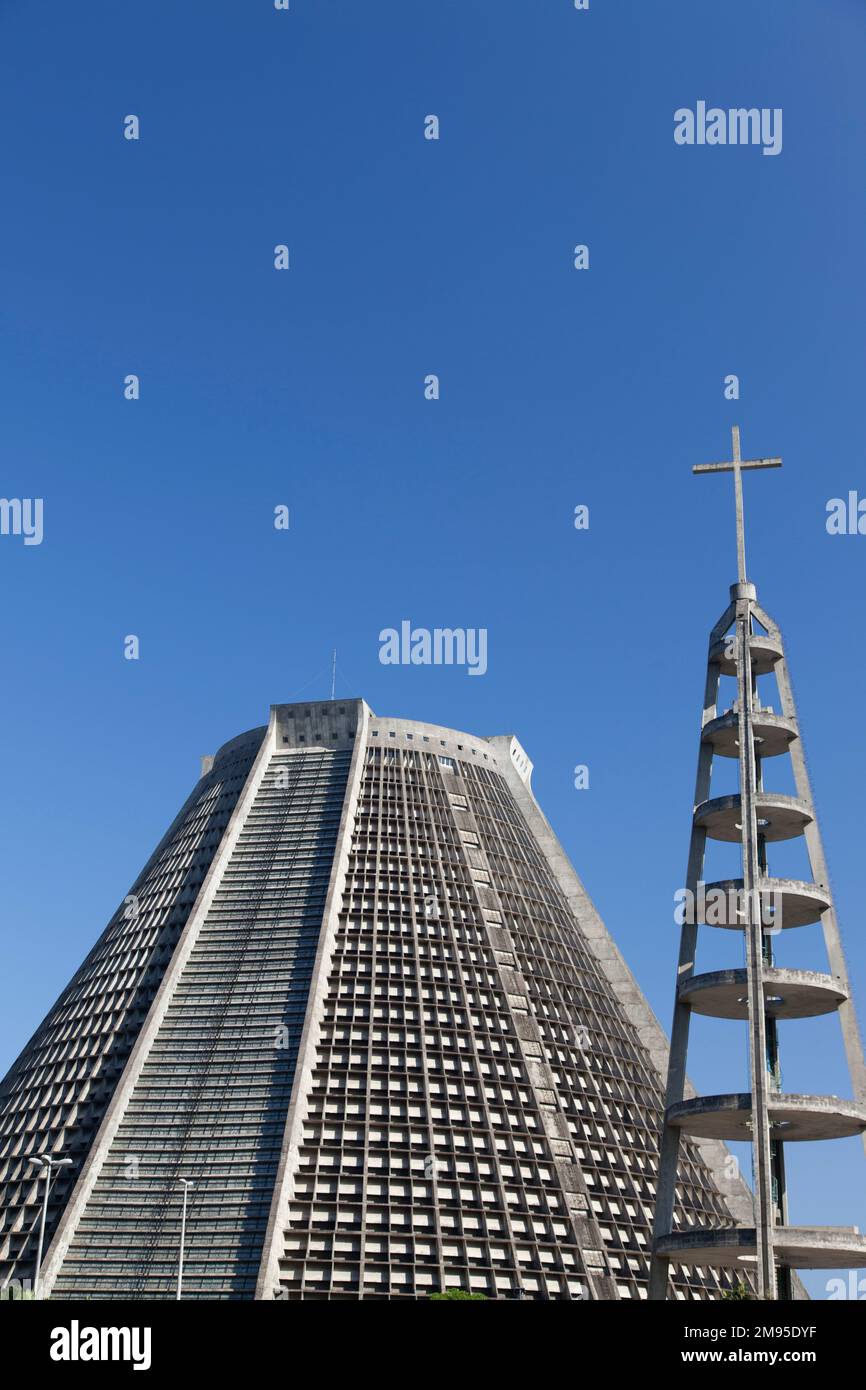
(360, 1004)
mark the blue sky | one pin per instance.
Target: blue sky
(305, 387)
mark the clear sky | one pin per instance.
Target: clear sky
(306, 388)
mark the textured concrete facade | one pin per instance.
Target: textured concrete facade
(384, 1034)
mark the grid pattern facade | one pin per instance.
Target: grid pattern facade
(610, 1093)
(211, 1101)
(481, 1113)
(55, 1096)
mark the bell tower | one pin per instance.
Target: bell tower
(746, 645)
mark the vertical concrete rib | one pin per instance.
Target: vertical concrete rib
(268, 1278)
(764, 1213)
(110, 1124)
(721, 1180)
(86, 1038)
(573, 1193)
(676, 1087)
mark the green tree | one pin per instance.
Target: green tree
(453, 1294)
(739, 1293)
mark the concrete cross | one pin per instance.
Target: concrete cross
(736, 467)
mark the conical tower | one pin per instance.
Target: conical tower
(746, 645)
(358, 1033)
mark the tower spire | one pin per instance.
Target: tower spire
(746, 645)
(736, 466)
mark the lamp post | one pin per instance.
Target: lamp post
(186, 1185)
(46, 1162)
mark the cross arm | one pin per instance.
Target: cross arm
(729, 467)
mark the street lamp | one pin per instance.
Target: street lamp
(47, 1162)
(186, 1185)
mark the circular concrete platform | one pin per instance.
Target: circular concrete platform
(773, 734)
(793, 1118)
(788, 902)
(795, 1247)
(787, 993)
(765, 652)
(779, 817)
